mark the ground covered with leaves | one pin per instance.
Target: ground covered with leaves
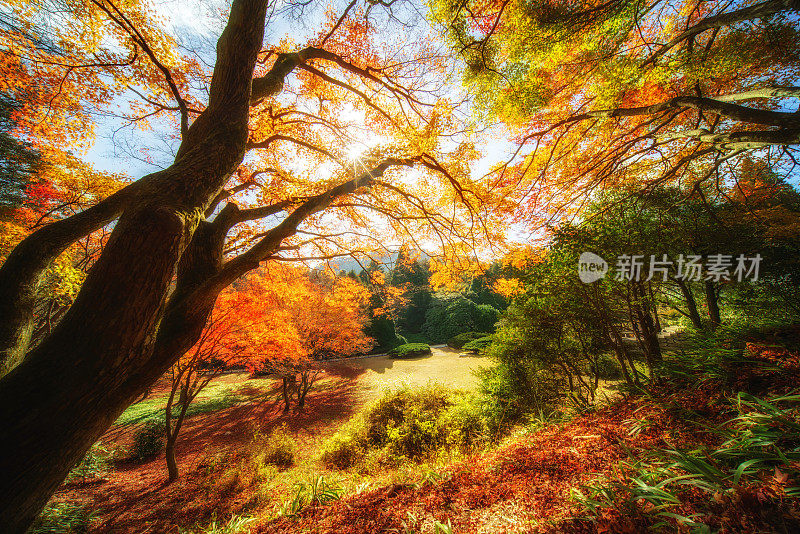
(709, 449)
(713, 446)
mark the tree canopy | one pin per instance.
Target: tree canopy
(280, 132)
(613, 92)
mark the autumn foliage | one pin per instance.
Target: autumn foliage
(284, 318)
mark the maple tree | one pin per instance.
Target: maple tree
(148, 294)
(219, 346)
(301, 318)
(603, 93)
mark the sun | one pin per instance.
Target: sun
(355, 151)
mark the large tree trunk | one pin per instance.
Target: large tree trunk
(100, 357)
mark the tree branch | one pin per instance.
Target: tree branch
(239, 265)
(725, 109)
(754, 12)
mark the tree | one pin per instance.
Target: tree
(219, 346)
(646, 92)
(452, 314)
(297, 322)
(148, 295)
(411, 276)
(18, 161)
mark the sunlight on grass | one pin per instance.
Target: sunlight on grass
(217, 396)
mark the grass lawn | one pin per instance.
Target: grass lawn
(223, 392)
(444, 366)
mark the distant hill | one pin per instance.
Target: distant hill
(387, 262)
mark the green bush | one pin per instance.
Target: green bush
(450, 315)
(465, 424)
(406, 421)
(478, 345)
(149, 440)
(486, 317)
(512, 389)
(382, 330)
(416, 338)
(404, 424)
(343, 450)
(447, 317)
(62, 518)
(410, 350)
(276, 448)
(456, 342)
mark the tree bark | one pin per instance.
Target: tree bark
(172, 465)
(306, 381)
(713, 304)
(100, 357)
(691, 303)
(172, 436)
(287, 394)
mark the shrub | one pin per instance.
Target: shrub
(486, 317)
(460, 340)
(447, 317)
(451, 315)
(512, 389)
(756, 447)
(406, 423)
(343, 450)
(410, 350)
(417, 434)
(62, 518)
(478, 345)
(227, 482)
(149, 440)
(465, 424)
(315, 491)
(416, 338)
(382, 330)
(277, 448)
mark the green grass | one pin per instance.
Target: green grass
(221, 400)
(235, 525)
(213, 398)
(62, 518)
(142, 411)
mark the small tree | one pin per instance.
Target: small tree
(219, 346)
(301, 321)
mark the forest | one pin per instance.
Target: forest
(400, 266)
